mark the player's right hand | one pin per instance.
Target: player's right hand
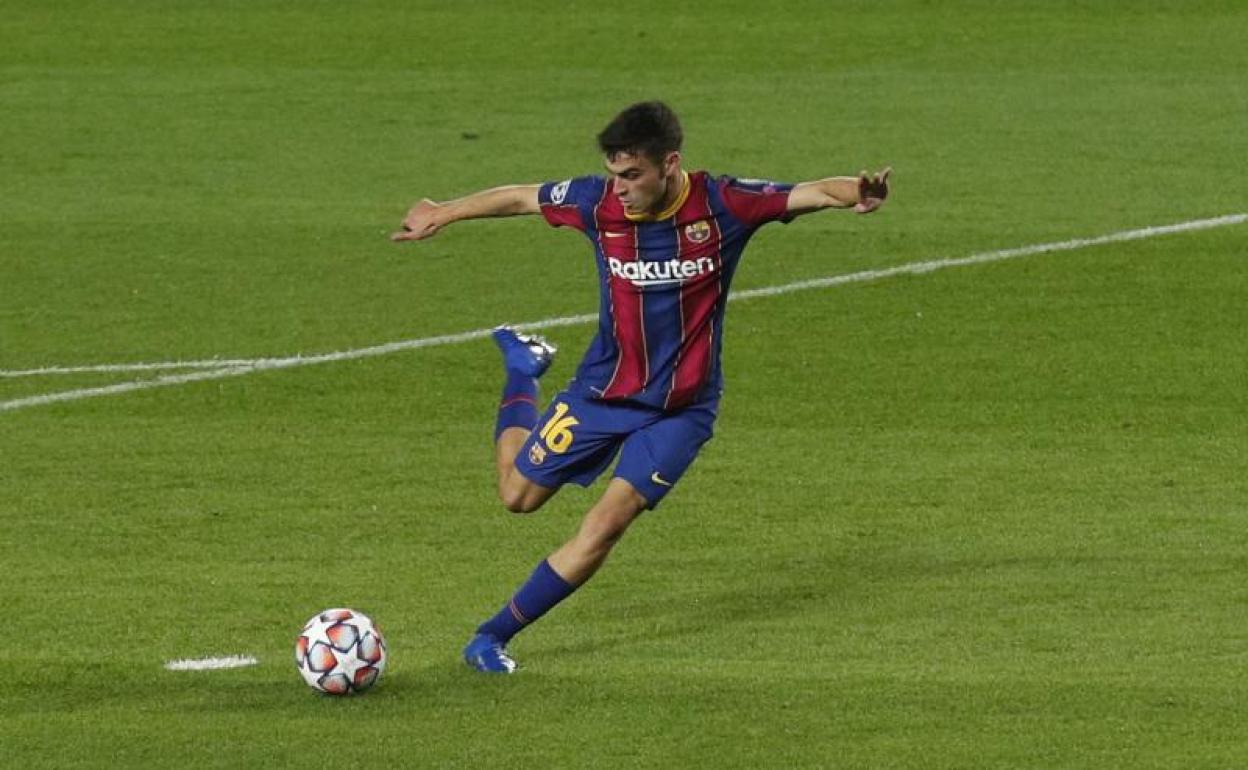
(423, 221)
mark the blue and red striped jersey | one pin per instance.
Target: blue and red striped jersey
(663, 282)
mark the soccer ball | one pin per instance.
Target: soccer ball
(340, 652)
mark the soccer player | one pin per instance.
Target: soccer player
(667, 242)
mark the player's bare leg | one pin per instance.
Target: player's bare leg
(519, 495)
(577, 560)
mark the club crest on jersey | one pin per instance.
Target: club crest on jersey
(698, 232)
(537, 455)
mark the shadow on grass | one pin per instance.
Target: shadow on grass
(658, 619)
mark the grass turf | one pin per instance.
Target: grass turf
(991, 516)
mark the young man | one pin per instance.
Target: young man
(667, 243)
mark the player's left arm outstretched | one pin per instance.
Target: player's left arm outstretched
(865, 193)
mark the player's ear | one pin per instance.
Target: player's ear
(671, 163)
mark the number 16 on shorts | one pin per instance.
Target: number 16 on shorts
(556, 433)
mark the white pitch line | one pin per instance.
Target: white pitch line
(211, 664)
(239, 367)
(918, 268)
(155, 366)
(264, 364)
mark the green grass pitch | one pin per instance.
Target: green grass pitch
(988, 516)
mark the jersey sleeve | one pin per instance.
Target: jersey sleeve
(571, 202)
(756, 201)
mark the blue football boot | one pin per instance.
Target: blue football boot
(525, 354)
(485, 653)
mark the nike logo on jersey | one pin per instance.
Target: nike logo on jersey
(657, 479)
(610, 234)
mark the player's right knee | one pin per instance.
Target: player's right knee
(519, 498)
(517, 503)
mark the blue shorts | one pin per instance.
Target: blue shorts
(578, 437)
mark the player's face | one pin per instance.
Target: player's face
(643, 186)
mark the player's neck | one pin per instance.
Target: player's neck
(677, 190)
(677, 194)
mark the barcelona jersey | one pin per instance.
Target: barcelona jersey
(663, 282)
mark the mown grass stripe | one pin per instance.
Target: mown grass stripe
(240, 367)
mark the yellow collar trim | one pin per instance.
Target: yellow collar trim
(670, 210)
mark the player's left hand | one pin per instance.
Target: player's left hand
(872, 190)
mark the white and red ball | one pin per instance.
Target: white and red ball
(340, 652)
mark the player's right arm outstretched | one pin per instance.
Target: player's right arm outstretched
(428, 217)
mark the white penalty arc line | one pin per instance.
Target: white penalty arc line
(211, 664)
(222, 369)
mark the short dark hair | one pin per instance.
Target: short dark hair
(645, 128)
